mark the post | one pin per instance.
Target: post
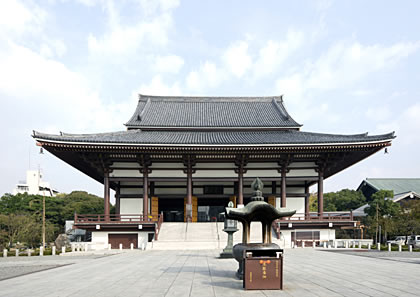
(283, 186)
(106, 194)
(389, 247)
(313, 244)
(369, 246)
(29, 252)
(307, 195)
(320, 193)
(410, 248)
(378, 246)
(109, 246)
(43, 218)
(53, 250)
(86, 247)
(5, 253)
(188, 207)
(17, 253)
(131, 246)
(41, 251)
(145, 193)
(400, 247)
(303, 244)
(117, 200)
(73, 247)
(240, 186)
(121, 246)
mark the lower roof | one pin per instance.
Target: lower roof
(213, 138)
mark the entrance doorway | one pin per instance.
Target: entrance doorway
(172, 209)
(211, 209)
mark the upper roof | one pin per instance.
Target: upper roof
(155, 112)
(398, 185)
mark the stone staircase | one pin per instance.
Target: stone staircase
(176, 236)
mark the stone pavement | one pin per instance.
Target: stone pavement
(308, 272)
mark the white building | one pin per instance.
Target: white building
(34, 185)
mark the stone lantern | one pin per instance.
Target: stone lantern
(230, 228)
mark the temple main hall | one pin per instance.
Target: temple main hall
(182, 159)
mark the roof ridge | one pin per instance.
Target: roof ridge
(143, 97)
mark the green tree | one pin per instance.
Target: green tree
(382, 212)
(21, 215)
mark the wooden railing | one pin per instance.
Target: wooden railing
(313, 217)
(159, 224)
(326, 216)
(116, 218)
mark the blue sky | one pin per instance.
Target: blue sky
(77, 66)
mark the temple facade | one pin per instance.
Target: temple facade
(182, 159)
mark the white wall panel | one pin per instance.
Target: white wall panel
(131, 205)
(261, 173)
(125, 165)
(125, 173)
(263, 165)
(214, 173)
(168, 173)
(168, 165)
(303, 172)
(138, 191)
(298, 190)
(175, 191)
(214, 165)
(296, 203)
(302, 164)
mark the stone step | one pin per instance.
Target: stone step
(201, 236)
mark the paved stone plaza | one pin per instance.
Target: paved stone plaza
(308, 272)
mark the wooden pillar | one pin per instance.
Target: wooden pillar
(241, 185)
(145, 193)
(188, 207)
(117, 200)
(307, 195)
(283, 186)
(106, 194)
(320, 193)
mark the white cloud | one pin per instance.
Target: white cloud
(343, 64)
(18, 18)
(52, 90)
(236, 58)
(275, 53)
(208, 75)
(122, 39)
(168, 64)
(158, 87)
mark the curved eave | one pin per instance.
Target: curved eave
(377, 143)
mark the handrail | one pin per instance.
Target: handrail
(326, 216)
(159, 224)
(115, 218)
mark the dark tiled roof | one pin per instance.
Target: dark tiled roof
(138, 137)
(157, 111)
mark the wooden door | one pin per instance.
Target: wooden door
(125, 239)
